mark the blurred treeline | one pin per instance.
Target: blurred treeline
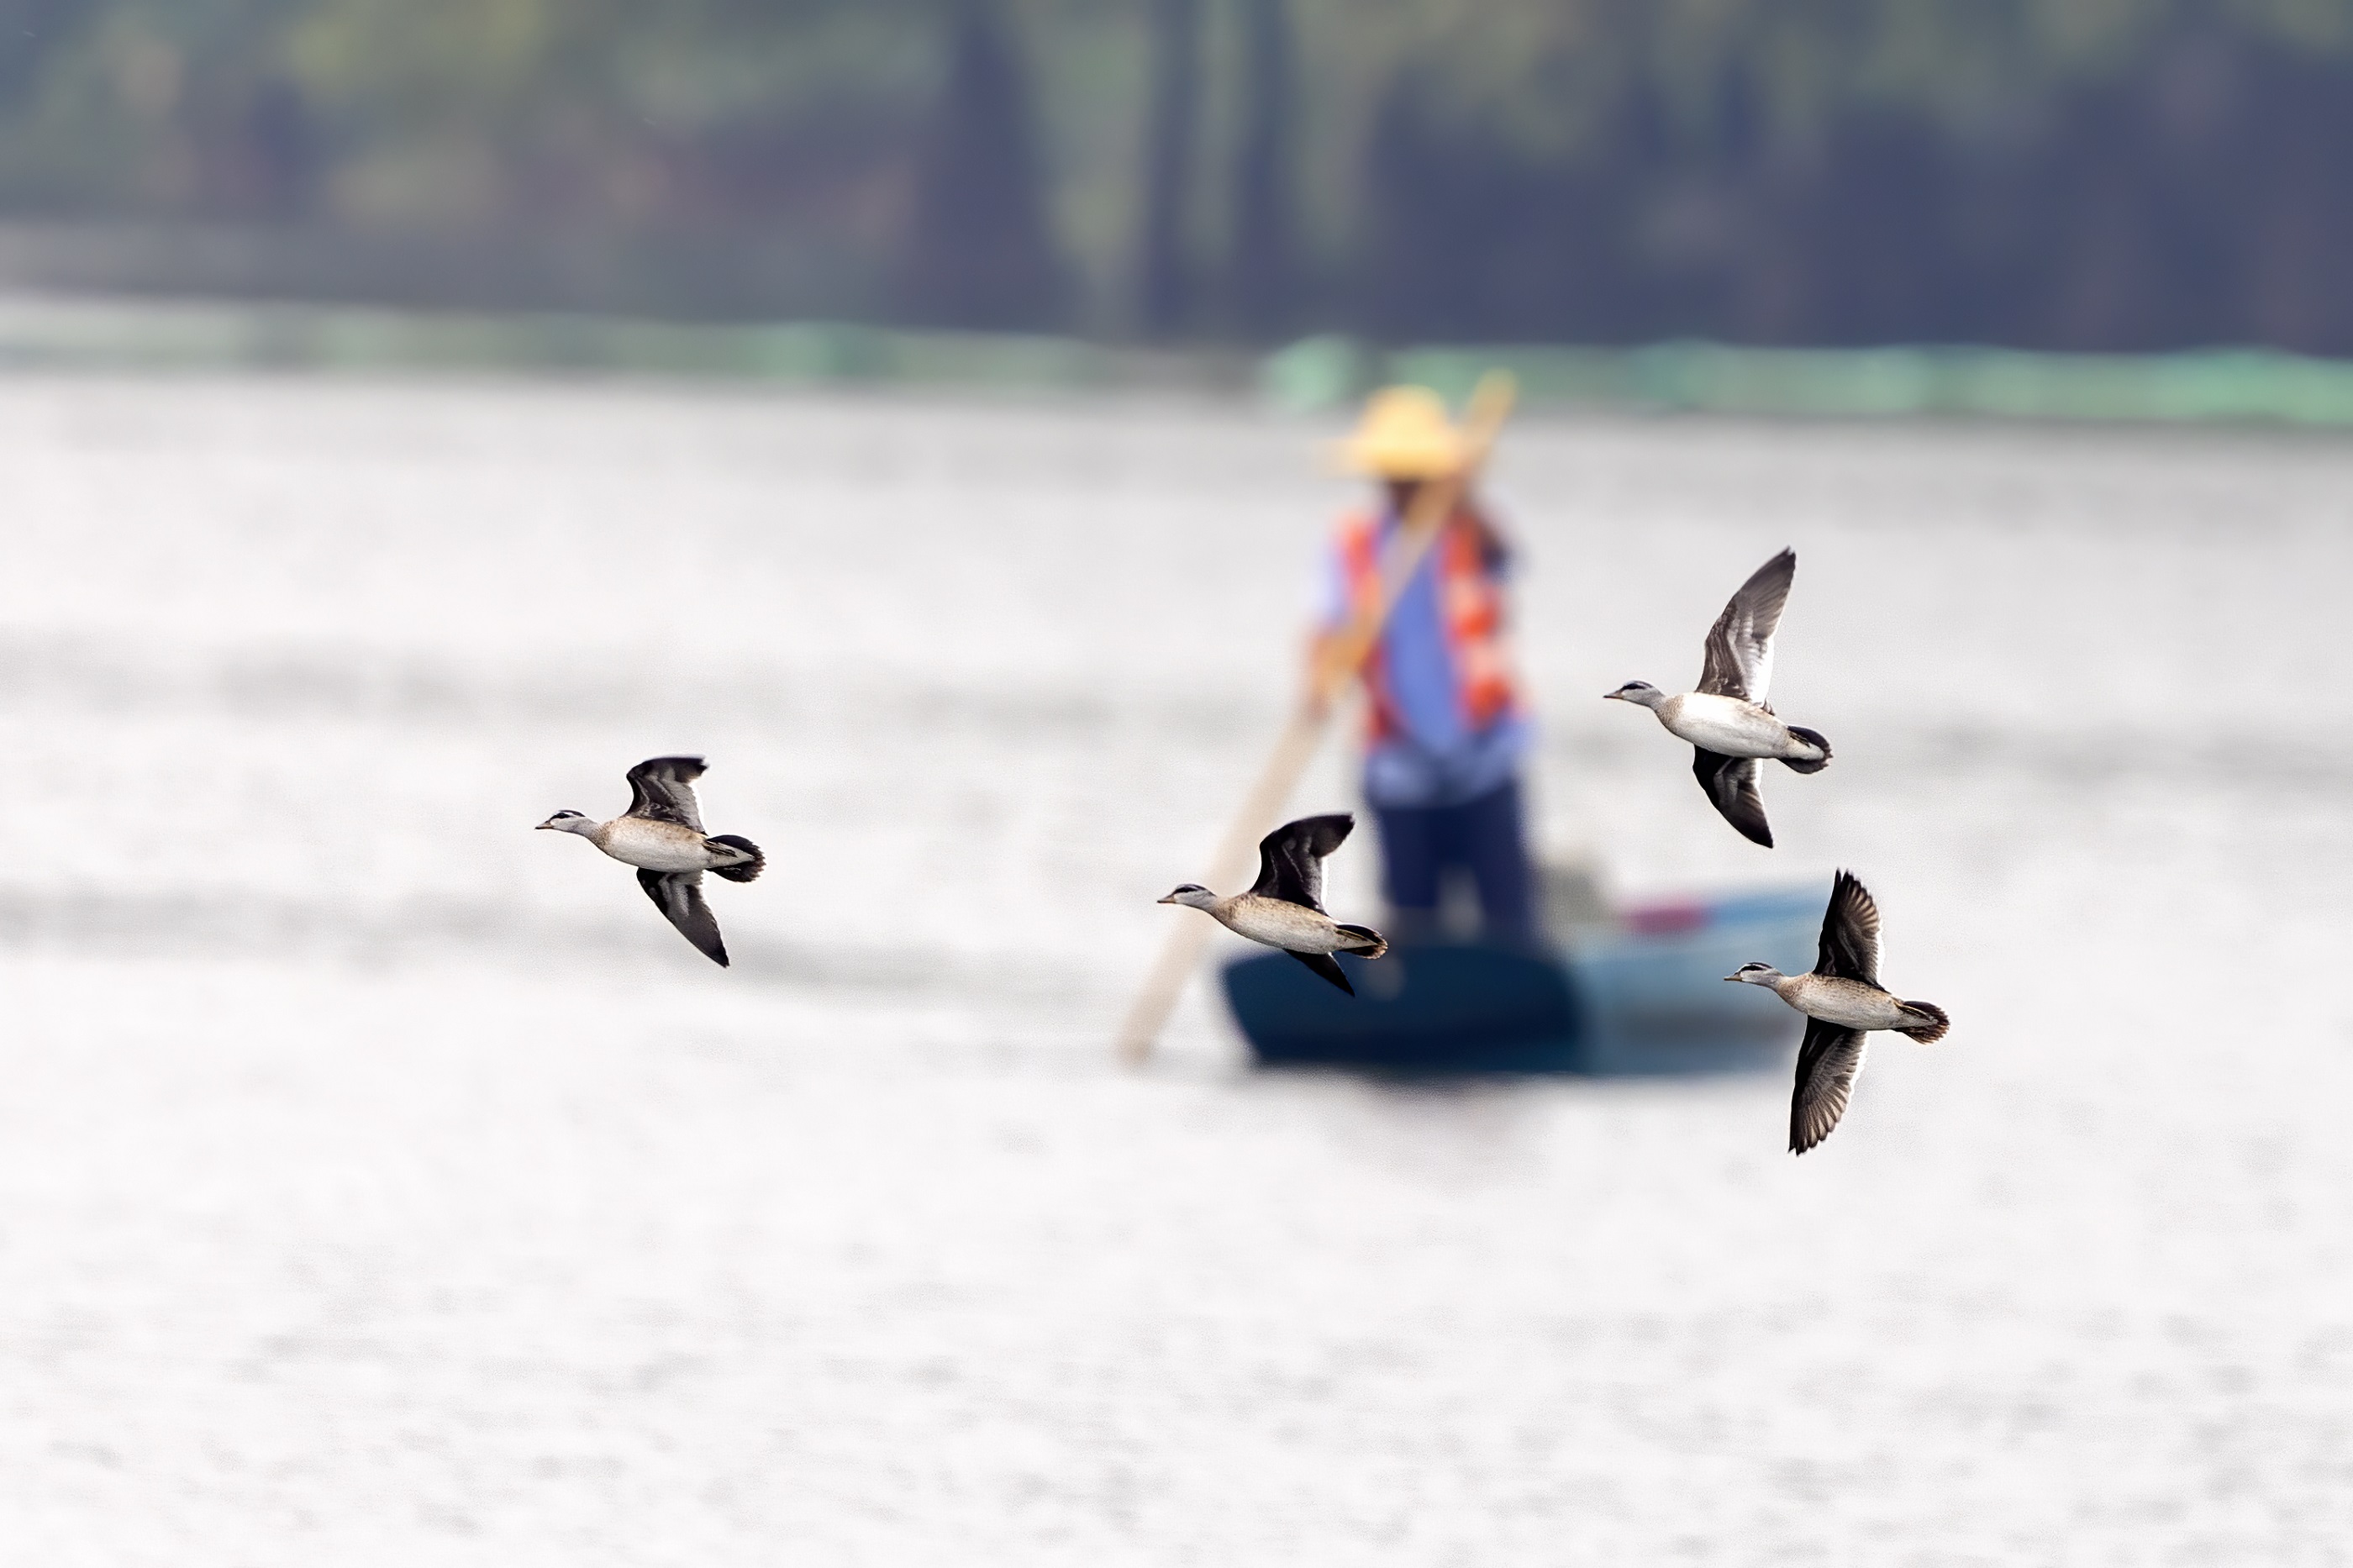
(2069, 174)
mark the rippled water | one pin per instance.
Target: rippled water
(383, 1183)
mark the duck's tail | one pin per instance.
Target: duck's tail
(1370, 943)
(1926, 1033)
(1812, 738)
(748, 871)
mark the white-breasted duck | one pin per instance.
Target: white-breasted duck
(1842, 1001)
(1284, 907)
(1728, 720)
(661, 835)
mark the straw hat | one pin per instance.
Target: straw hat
(1406, 433)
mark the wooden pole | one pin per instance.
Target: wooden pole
(1425, 520)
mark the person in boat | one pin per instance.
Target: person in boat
(1446, 729)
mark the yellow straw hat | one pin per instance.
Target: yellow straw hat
(1406, 433)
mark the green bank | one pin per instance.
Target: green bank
(2226, 385)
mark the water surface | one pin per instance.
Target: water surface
(383, 1183)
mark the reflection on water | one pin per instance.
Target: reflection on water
(386, 1183)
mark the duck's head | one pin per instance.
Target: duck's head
(569, 822)
(1755, 974)
(1192, 893)
(1641, 692)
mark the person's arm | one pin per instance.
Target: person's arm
(1495, 549)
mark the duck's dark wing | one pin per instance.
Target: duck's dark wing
(1849, 932)
(1290, 858)
(1731, 786)
(1740, 645)
(1827, 1065)
(661, 789)
(1324, 965)
(678, 896)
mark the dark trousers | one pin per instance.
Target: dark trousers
(1483, 837)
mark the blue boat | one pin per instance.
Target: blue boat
(1644, 994)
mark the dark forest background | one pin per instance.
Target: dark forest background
(2091, 174)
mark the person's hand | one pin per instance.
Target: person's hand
(1327, 674)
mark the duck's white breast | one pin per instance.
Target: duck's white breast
(1848, 1002)
(1279, 924)
(655, 846)
(1725, 725)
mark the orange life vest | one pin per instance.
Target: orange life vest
(1471, 611)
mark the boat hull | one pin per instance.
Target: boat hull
(1646, 998)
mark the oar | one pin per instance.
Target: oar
(1491, 403)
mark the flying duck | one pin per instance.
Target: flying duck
(1727, 719)
(1284, 907)
(661, 835)
(1842, 1000)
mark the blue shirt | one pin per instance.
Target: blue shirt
(1435, 757)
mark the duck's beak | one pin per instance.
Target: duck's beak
(1169, 899)
(1731, 977)
(1613, 697)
